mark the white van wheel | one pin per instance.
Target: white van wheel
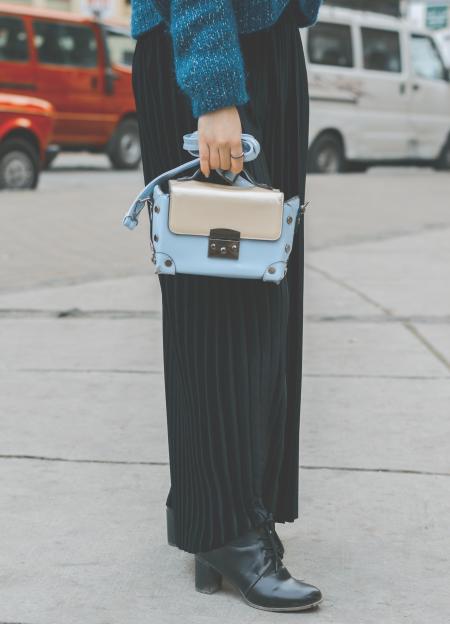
(443, 162)
(326, 155)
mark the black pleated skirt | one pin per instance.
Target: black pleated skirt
(232, 347)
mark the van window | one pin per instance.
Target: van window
(330, 44)
(426, 59)
(65, 44)
(13, 39)
(381, 50)
(120, 47)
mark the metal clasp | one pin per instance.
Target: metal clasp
(301, 212)
(303, 207)
(224, 243)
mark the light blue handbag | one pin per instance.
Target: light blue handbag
(235, 228)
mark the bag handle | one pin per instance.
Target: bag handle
(251, 148)
(243, 178)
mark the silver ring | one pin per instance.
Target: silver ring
(240, 155)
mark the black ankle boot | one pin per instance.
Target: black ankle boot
(170, 522)
(251, 563)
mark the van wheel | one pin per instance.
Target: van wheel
(443, 162)
(354, 166)
(19, 165)
(326, 155)
(125, 150)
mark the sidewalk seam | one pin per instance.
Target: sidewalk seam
(44, 458)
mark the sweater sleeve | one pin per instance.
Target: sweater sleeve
(208, 62)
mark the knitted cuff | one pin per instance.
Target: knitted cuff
(214, 92)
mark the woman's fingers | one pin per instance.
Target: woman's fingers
(225, 159)
(237, 164)
(218, 156)
(204, 157)
(214, 156)
(219, 134)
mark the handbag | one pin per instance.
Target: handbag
(233, 228)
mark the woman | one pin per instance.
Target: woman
(232, 347)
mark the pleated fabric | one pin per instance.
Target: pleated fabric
(232, 347)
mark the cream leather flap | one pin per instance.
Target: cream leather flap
(196, 207)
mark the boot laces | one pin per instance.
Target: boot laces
(270, 543)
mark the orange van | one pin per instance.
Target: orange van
(82, 66)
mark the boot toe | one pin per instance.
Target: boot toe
(283, 593)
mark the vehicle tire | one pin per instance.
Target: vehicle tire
(124, 150)
(326, 155)
(356, 167)
(443, 162)
(19, 164)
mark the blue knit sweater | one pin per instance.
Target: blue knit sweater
(208, 62)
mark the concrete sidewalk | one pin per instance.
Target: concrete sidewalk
(83, 441)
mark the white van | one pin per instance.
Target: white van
(379, 91)
(443, 40)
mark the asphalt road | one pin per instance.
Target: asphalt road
(83, 442)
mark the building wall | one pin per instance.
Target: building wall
(119, 9)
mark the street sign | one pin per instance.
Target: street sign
(437, 16)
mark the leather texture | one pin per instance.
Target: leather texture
(253, 566)
(196, 207)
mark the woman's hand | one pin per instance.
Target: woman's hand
(219, 136)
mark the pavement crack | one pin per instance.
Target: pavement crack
(121, 371)
(404, 471)
(379, 318)
(408, 325)
(76, 313)
(148, 371)
(46, 458)
(68, 460)
(375, 376)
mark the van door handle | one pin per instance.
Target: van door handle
(402, 88)
(416, 86)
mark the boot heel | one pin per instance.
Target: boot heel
(207, 580)
(170, 521)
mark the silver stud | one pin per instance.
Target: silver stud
(223, 250)
(289, 220)
(287, 248)
(156, 238)
(234, 247)
(168, 263)
(156, 208)
(213, 245)
(272, 269)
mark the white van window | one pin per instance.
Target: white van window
(330, 44)
(381, 49)
(426, 59)
(13, 39)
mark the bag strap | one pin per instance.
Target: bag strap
(250, 146)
